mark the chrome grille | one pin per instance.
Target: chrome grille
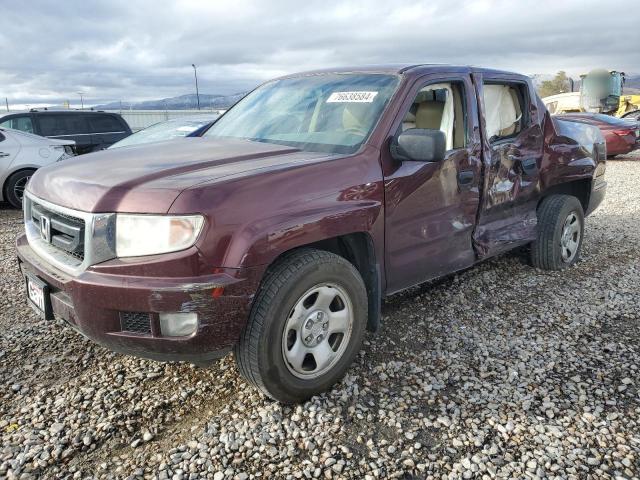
(66, 232)
(70, 240)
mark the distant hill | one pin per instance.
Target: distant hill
(632, 84)
(183, 102)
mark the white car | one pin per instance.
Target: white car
(21, 154)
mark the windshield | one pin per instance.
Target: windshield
(176, 128)
(323, 113)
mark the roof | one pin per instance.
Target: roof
(405, 68)
(55, 112)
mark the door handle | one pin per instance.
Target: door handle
(465, 178)
(2, 154)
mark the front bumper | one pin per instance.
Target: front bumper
(94, 301)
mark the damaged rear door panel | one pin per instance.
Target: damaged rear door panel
(513, 146)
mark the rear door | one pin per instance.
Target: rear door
(105, 129)
(431, 208)
(513, 145)
(9, 149)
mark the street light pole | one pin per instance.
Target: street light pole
(195, 74)
(81, 100)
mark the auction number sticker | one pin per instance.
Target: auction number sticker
(352, 97)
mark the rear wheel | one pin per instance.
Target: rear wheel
(15, 185)
(306, 326)
(560, 232)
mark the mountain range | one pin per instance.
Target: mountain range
(182, 102)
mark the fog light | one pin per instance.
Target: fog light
(178, 324)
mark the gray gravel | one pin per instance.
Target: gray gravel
(501, 371)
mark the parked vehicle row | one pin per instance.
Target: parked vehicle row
(191, 126)
(277, 232)
(91, 131)
(622, 135)
(20, 155)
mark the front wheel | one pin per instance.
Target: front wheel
(306, 326)
(14, 187)
(560, 232)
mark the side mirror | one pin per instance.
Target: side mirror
(419, 145)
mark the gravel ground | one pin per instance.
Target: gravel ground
(499, 371)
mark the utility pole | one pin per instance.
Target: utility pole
(81, 100)
(195, 73)
(6, 100)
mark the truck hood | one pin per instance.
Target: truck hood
(148, 178)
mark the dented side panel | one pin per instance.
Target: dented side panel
(511, 180)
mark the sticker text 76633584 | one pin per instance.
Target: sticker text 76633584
(352, 97)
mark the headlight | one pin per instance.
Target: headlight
(138, 235)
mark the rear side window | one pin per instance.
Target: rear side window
(503, 109)
(104, 124)
(23, 124)
(53, 125)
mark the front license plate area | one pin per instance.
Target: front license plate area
(38, 296)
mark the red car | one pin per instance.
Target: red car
(621, 135)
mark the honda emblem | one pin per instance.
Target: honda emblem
(45, 228)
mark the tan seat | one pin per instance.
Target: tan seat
(354, 117)
(429, 115)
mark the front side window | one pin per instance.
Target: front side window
(503, 110)
(440, 106)
(24, 124)
(332, 113)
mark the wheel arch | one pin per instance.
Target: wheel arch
(5, 180)
(357, 248)
(581, 189)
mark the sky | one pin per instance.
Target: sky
(141, 50)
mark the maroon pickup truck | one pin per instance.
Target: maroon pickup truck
(277, 233)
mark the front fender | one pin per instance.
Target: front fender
(262, 242)
(253, 219)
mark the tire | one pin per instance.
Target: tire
(301, 305)
(14, 187)
(560, 233)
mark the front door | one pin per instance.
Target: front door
(431, 208)
(513, 144)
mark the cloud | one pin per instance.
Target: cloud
(136, 50)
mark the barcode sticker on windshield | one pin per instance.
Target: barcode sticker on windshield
(352, 97)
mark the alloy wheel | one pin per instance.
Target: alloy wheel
(317, 331)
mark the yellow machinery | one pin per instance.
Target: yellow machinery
(601, 92)
(629, 106)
